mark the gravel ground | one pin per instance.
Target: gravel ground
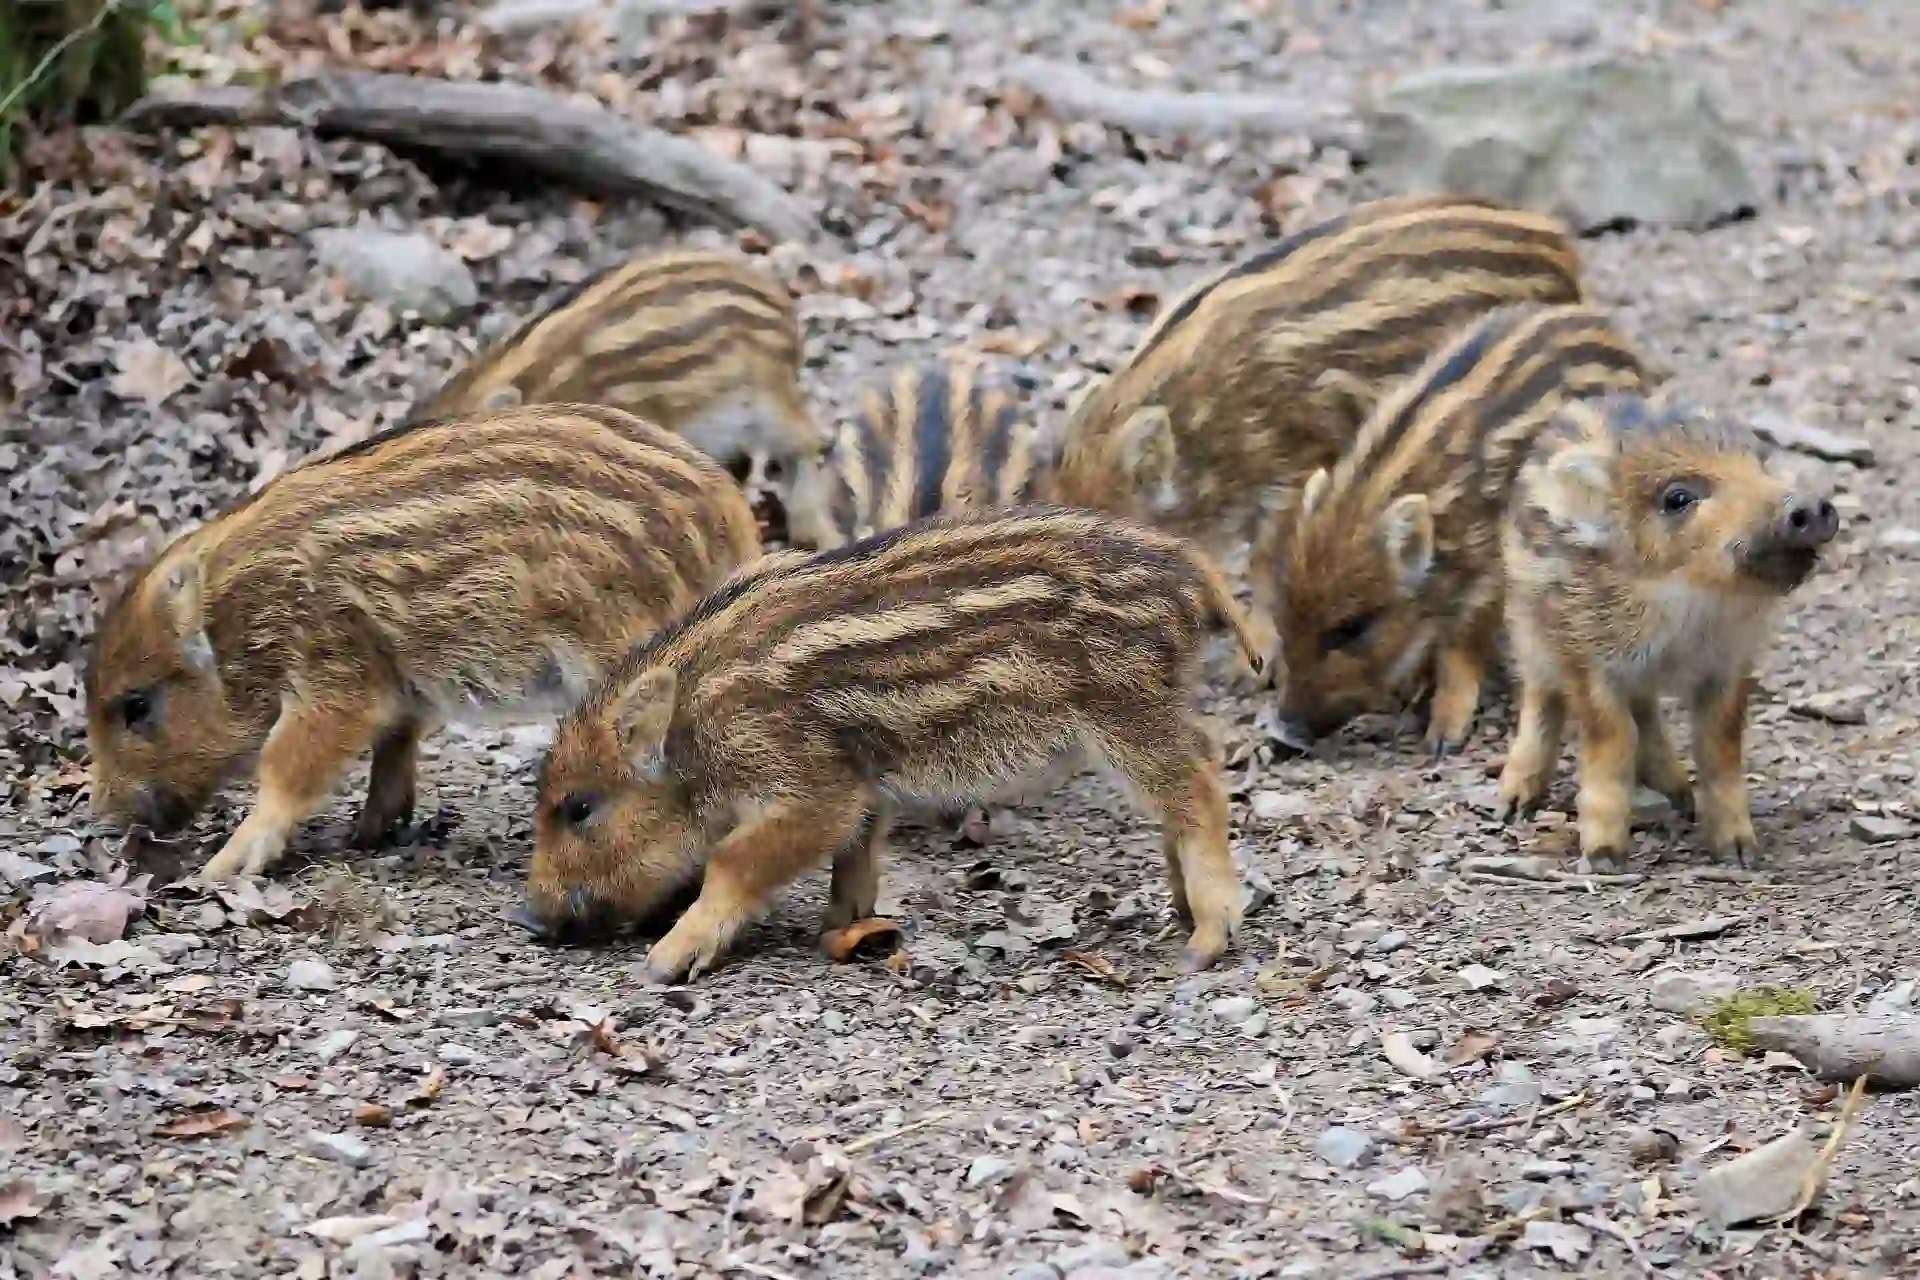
(361, 1069)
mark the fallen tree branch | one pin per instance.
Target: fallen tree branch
(1072, 92)
(1843, 1047)
(584, 146)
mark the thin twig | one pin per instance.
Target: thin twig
(888, 1135)
(1430, 1267)
(1507, 1122)
(1811, 1181)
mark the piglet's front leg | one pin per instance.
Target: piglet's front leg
(1720, 796)
(310, 747)
(755, 861)
(1609, 747)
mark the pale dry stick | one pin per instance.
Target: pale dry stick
(888, 1135)
(1489, 1126)
(1810, 1181)
(1430, 1267)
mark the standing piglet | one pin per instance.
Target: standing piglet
(774, 729)
(932, 438)
(1391, 571)
(1647, 552)
(704, 344)
(434, 572)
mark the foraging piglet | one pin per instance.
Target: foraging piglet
(1648, 550)
(775, 727)
(936, 437)
(701, 343)
(1392, 566)
(1262, 374)
(432, 572)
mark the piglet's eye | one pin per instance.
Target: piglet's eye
(1346, 634)
(1679, 498)
(576, 809)
(135, 710)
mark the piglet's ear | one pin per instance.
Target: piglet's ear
(182, 596)
(642, 714)
(1407, 530)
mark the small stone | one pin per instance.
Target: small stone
(1478, 977)
(343, 1148)
(1280, 806)
(458, 1055)
(1119, 1044)
(1358, 1004)
(1516, 1090)
(1565, 1241)
(1690, 991)
(1397, 1187)
(1388, 943)
(1900, 540)
(1103, 1253)
(1397, 998)
(1847, 706)
(1647, 1147)
(1642, 957)
(1545, 1170)
(1345, 1148)
(309, 974)
(987, 1170)
(1033, 1271)
(1877, 830)
(333, 1044)
(407, 271)
(1364, 931)
(478, 1016)
(1233, 1008)
(373, 1115)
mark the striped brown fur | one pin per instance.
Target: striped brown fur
(703, 344)
(1647, 551)
(1392, 565)
(456, 567)
(1259, 375)
(940, 436)
(778, 725)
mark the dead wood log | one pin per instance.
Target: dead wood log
(1073, 93)
(1885, 1047)
(583, 146)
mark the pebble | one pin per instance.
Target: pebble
(1388, 943)
(1233, 1008)
(1397, 1187)
(458, 1055)
(1280, 806)
(1874, 830)
(1844, 706)
(1345, 1148)
(1398, 999)
(1545, 1170)
(309, 974)
(1478, 977)
(479, 1016)
(1691, 991)
(1364, 931)
(1103, 1253)
(333, 1044)
(1517, 1089)
(986, 1170)
(1652, 1146)
(341, 1147)
(1033, 1271)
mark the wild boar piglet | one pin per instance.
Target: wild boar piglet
(1391, 571)
(1648, 551)
(452, 569)
(1256, 377)
(931, 438)
(704, 344)
(775, 728)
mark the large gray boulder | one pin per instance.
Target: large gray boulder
(1595, 141)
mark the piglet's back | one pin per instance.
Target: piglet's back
(458, 557)
(955, 641)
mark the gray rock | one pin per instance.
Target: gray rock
(408, 272)
(1874, 830)
(343, 1148)
(1900, 539)
(1764, 1183)
(1388, 943)
(1101, 1253)
(1345, 1148)
(987, 1170)
(1517, 1089)
(1396, 1187)
(333, 1044)
(1280, 806)
(458, 1055)
(1690, 991)
(1844, 706)
(1233, 1008)
(308, 974)
(1033, 1271)
(1595, 141)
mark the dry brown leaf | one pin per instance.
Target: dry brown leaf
(149, 372)
(1473, 1046)
(1097, 965)
(19, 1199)
(292, 1084)
(1009, 342)
(841, 944)
(89, 910)
(202, 1124)
(429, 1090)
